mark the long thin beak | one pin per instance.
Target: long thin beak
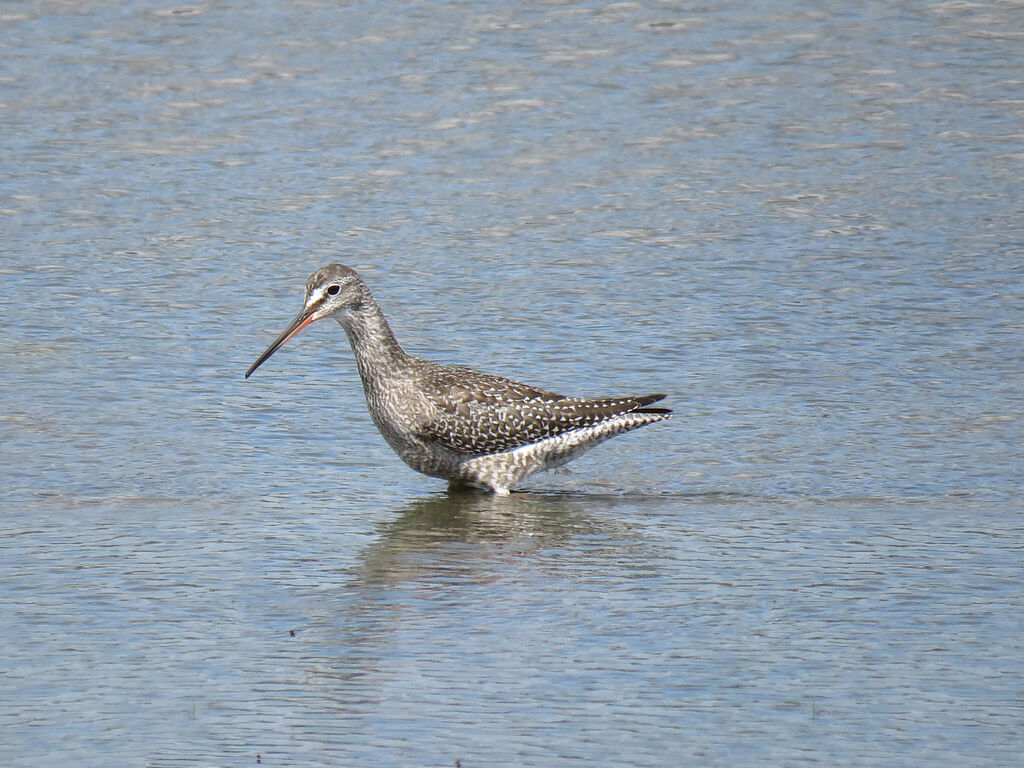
(304, 318)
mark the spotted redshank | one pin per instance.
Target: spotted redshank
(470, 428)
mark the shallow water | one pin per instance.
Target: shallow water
(803, 223)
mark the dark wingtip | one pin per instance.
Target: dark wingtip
(644, 400)
(659, 411)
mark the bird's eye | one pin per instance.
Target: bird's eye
(332, 290)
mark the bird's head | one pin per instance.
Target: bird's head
(331, 289)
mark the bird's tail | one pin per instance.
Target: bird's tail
(644, 400)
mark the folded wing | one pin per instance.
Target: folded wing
(476, 413)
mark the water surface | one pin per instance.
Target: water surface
(802, 222)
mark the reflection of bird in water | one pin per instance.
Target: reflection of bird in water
(432, 534)
(470, 428)
(426, 568)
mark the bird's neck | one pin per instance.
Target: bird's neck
(374, 345)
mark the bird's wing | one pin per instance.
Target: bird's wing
(476, 413)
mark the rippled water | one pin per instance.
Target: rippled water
(802, 221)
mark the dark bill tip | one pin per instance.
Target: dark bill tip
(304, 318)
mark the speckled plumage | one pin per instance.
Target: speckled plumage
(468, 427)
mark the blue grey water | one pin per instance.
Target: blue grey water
(802, 221)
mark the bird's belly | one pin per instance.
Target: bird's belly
(432, 460)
